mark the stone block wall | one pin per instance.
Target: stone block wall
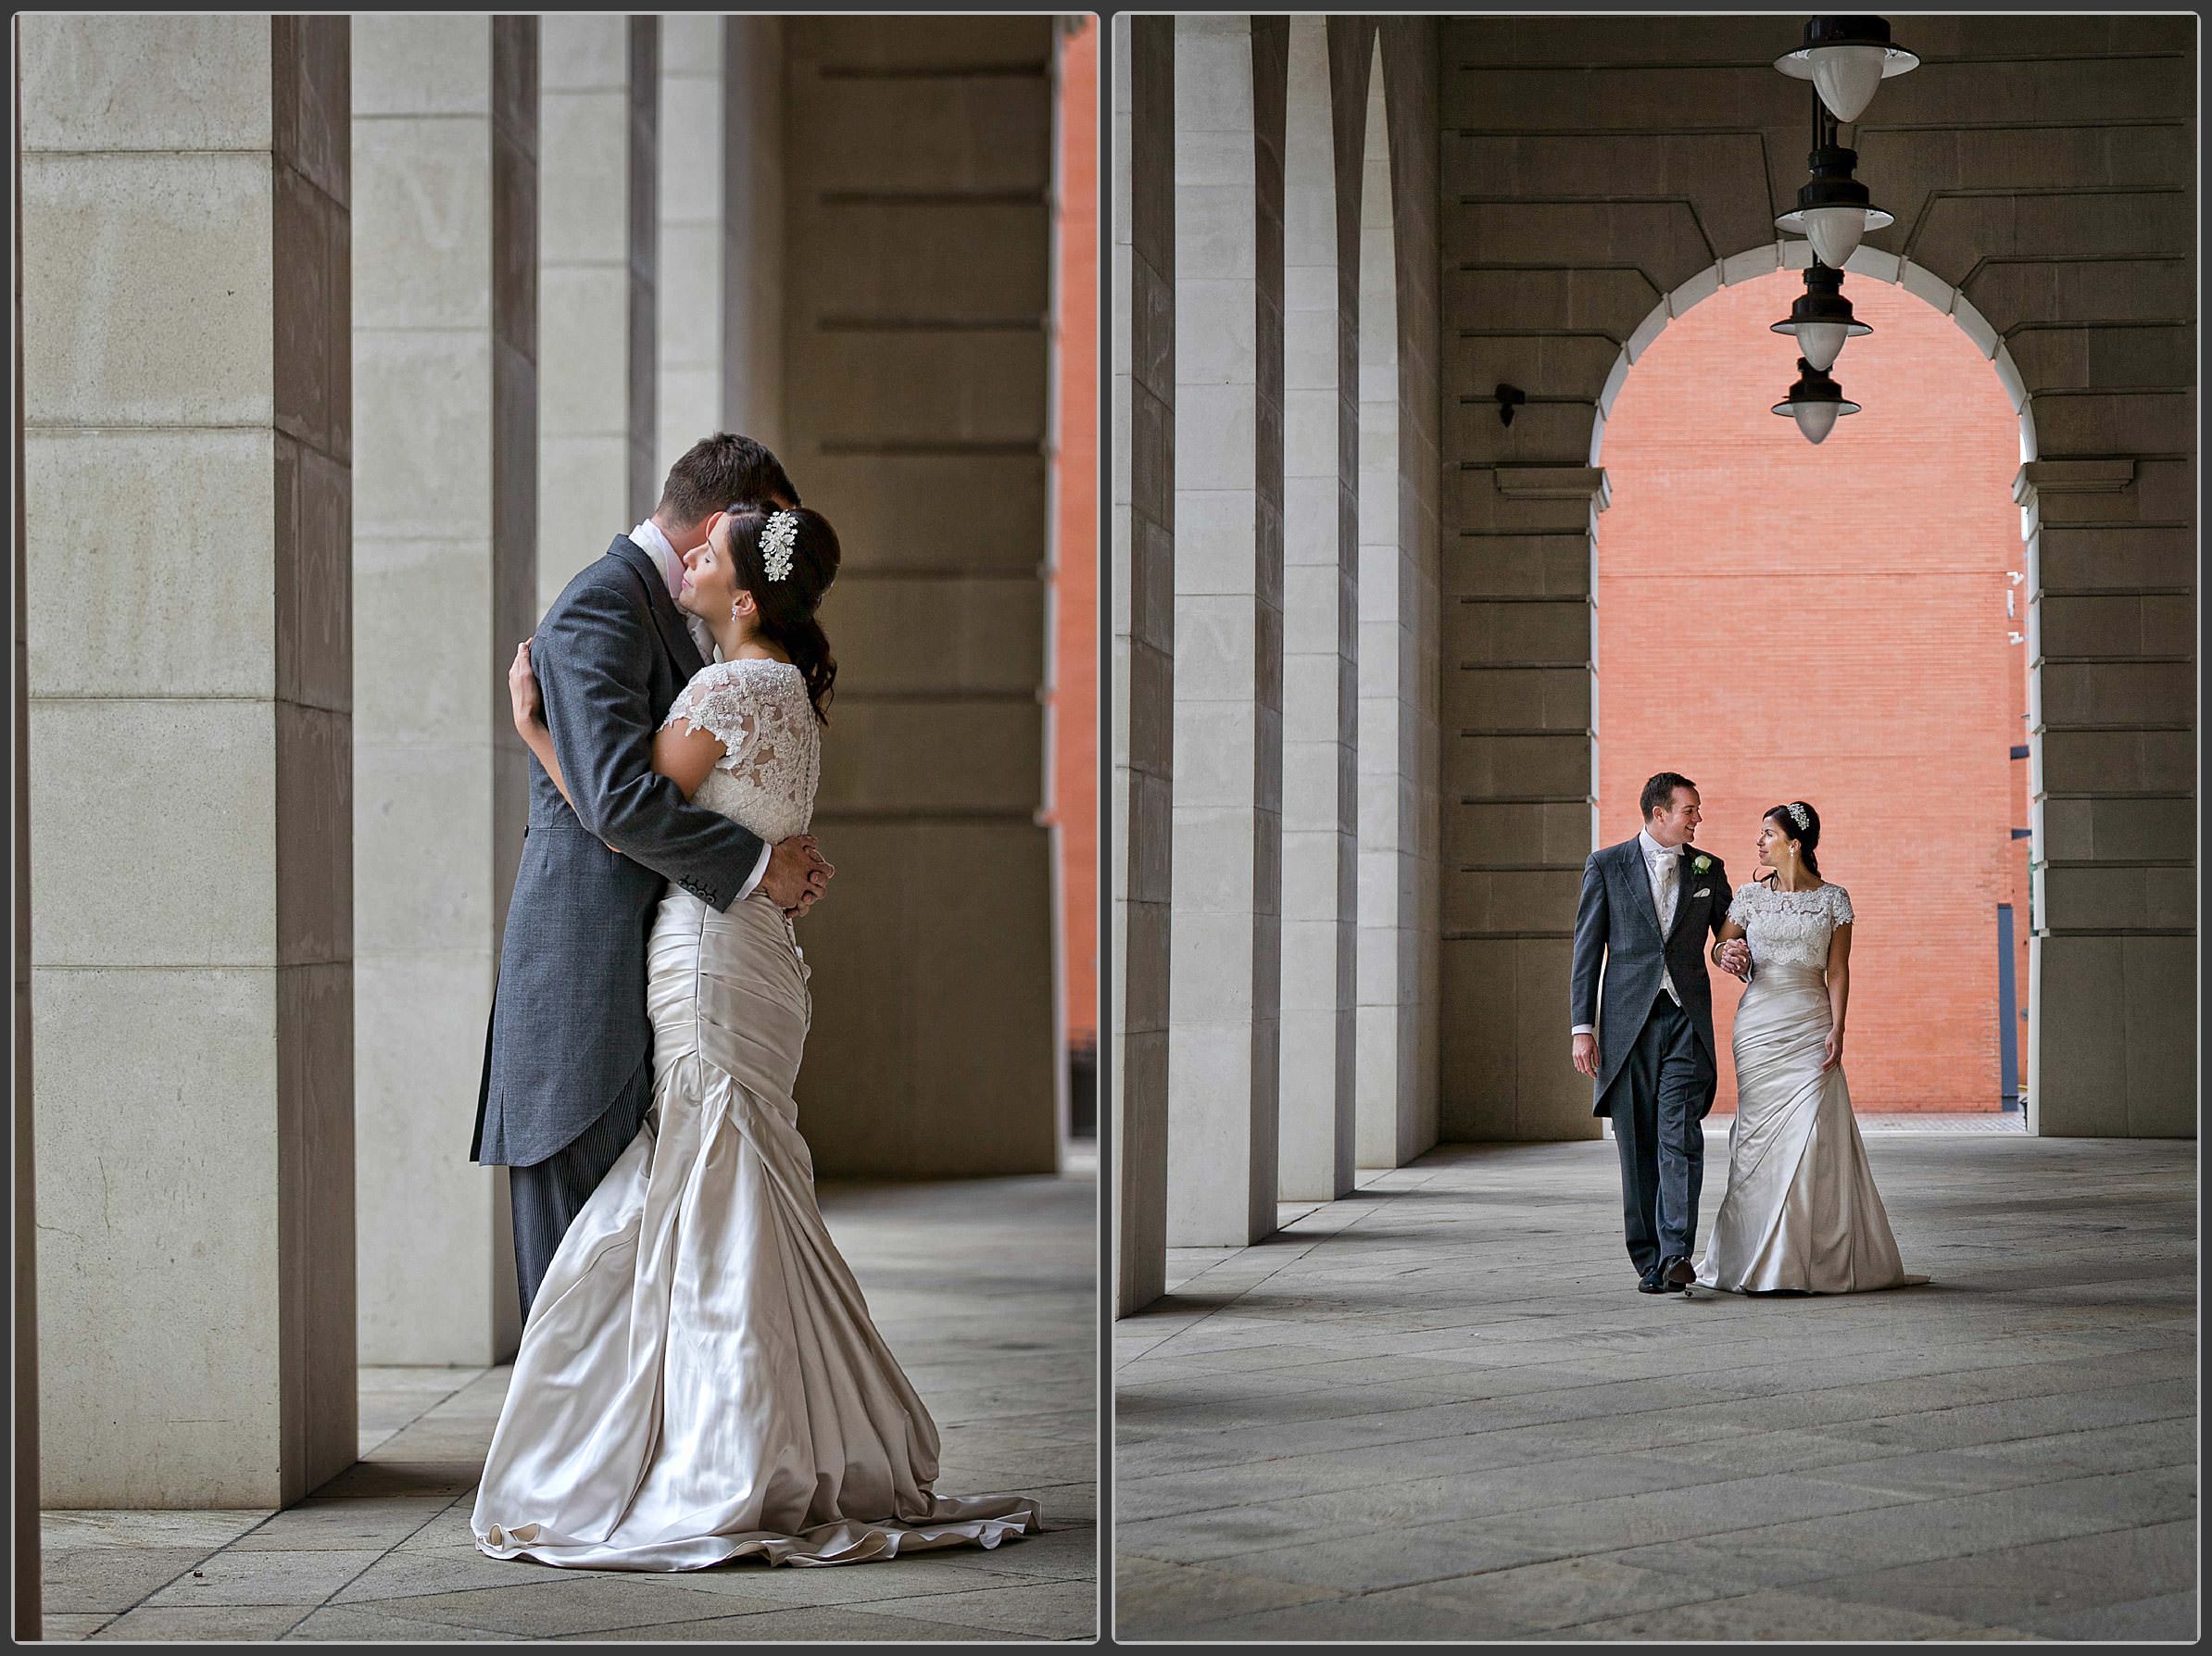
(917, 287)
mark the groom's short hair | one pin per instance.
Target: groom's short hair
(1660, 791)
(721, 471)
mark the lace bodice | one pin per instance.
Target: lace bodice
(759, 711)
(1789, 928)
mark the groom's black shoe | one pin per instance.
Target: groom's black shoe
(1650, 1284)
(1677, 1274)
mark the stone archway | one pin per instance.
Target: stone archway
(1833, 623)
(2058, 203)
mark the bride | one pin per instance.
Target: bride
(700, 1379)
(1801, 1212)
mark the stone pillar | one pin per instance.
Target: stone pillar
(1224, 1043)
(188, 329)
(691, 303)
(1321, 693)
(918, 241)
(2112, 781)
(599, 229)
(1387, 962)
(445, 146)
(1144, 644)
(27, 1622)
(752, 336)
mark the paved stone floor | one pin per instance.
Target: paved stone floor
(986, 1289)
(1439, 1408)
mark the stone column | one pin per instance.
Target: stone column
(598, 179)
(2111, 780)
(918, 235)
(445, 146)
(187, 333)
(752, 377)
(1225, 1053)
(691, 301)
(1321, 690)
(27, 1622)
(1144, 644)
(1387, 997)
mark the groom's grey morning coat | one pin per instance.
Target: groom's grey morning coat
(1617, 937)
(569, 1029)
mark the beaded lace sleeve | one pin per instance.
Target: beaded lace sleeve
(1839, 905)
(1739, 910)
(723, 701)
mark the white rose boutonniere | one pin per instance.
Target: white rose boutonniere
(1703, 862)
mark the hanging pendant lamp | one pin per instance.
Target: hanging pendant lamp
(1821, 318)
(1833, 209)
(1815, 402)
(1847, 59)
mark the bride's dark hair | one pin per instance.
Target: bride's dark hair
(1807, 837)
(787, 606)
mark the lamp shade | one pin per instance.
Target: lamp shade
(1833, 209)
(1847, 59)
(1815, 402)
(1821, 318)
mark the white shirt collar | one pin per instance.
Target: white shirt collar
(648, 535)
(1653, 850)
(655, 545)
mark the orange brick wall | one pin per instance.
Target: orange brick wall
(1075, 703)
(1779, 621)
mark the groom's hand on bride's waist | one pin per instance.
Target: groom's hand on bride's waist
(797, 874)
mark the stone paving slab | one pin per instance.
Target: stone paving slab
(226, 1623)
(989, 1289)
(866, 1625)
(1438, 1409)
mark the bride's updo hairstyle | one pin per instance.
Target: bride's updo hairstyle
(1807, 837)
(787, 605)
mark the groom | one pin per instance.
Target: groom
(1648, 905)
(568, 1071)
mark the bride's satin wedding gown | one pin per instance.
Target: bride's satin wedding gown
(700, 1379)
(1801, 1210)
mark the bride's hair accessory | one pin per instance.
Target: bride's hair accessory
(1799, 815)
(776, 542)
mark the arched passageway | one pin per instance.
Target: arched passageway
(258, 1055)
(1842, 625)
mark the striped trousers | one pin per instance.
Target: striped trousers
(547, 1196)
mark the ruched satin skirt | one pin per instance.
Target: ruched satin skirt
(700, 1379)
(1801, 1210)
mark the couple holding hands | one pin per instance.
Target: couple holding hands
(1801, 1213)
